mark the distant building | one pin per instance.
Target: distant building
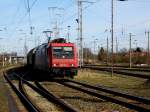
(10, 58)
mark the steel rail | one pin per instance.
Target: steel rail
(67, 106)
(120, 72)
(114, 92)
(108, 98)
(119, 68)
(50, 97)
(22, 89)
(27, 103)
(142, 68)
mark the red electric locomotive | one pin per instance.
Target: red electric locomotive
(57, 57)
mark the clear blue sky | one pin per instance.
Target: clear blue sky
(130, 16)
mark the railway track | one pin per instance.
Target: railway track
(137, 103)
(30, 106)
(140, 68)
(124, 99)
(122, 68)
(122, 72)
(21, 94)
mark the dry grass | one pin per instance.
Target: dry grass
(41, 102)
(3, 96)
(83, 101)
(89, 103)
(4, 90)
(134, 85)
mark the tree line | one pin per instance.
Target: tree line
(139, 56)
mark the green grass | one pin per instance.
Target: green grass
(3, 91)
(3, 97)
(136, 86)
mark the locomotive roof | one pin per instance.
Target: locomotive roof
(58, 40)
(55, 41)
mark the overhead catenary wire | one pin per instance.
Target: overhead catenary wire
(73, 15)
(70, 18)
(22, 18)
(29, 15)
(25, 5)
(16, 12)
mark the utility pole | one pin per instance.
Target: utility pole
(135, 42)
(147, 32)
(94, 50)
(29, 17)
(107, 50)
(25, 49)
(116, 56)
(112, 36)
(148, 49)
(116, 45)
(80, 32)
(86, 59)
(51, 11)
(148, 43)
(69, 33)
(3, 58)
(55, 19)
(56, 28)
(77, 43)
(80, 11)
(130, 51)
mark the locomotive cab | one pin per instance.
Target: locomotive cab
(64, 58)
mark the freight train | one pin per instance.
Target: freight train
(57, 57)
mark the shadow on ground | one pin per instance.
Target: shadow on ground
(29, 74)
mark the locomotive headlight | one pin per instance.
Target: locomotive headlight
(72, 65)
(54, 64)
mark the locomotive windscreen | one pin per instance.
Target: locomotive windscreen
(63, 52)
